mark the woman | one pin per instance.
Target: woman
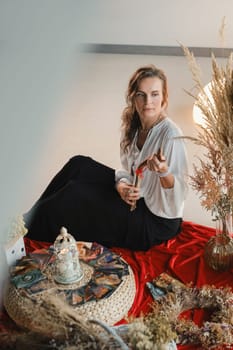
(94, 201)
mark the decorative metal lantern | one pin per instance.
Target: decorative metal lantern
(67, 265)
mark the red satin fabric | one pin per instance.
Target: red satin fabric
(181, 257)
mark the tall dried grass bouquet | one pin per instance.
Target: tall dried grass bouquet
(213, 178)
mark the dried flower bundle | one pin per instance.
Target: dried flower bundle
(213, 178)
(153, 330)
(55, 326)
(164, 323)
(15, 230)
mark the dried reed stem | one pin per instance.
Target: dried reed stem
(213, 179)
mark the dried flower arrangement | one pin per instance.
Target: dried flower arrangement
(56, 326)
(164, 324)
(213, 179)
(15, 230)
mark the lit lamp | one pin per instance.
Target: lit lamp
(67, 265)
(197, 113)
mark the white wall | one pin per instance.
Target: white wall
(38, 47)
(56, 103)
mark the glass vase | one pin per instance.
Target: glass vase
(218, 252)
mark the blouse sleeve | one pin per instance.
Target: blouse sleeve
(123, 174)
(167, 202)
(176, 156)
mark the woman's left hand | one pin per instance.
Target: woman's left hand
(157, 162)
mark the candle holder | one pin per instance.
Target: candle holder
(67, 265)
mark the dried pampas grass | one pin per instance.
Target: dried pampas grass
(213, 178)
(55, 325)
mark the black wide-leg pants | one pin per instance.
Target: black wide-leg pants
(82, 197)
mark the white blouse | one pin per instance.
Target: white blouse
(164, 202)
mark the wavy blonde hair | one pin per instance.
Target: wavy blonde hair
(130, 118)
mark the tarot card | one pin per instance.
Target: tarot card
(167, 283)
(42, 257)
(111, 279)
(28, 279)
(89, 251)
(156, 292)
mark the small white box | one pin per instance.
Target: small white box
(14, 250)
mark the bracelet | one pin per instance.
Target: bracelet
(166, 173)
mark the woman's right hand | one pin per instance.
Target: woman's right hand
(128, 193)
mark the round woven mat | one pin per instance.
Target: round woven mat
(109, 310)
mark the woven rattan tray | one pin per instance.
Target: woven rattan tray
(19, 303)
